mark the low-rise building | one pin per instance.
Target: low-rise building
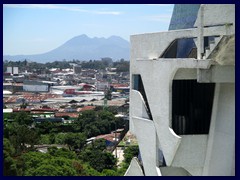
(35, 86)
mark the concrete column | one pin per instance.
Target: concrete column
(200, 49)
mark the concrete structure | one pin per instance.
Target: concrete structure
(35, 86)
(15, 70)
(9, 70)
(185, 102)
(12, 70)
(102, 85)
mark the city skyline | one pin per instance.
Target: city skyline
(39, 28)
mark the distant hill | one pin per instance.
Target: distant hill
(82, 48)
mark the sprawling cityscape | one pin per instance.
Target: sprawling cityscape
(88, 102)
(161, 105)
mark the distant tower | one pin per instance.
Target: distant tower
(9, 70)
(15, 70)
(77, 69)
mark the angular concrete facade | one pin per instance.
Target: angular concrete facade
(182, 110)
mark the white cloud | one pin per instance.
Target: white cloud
(159, 18)
(53, 6)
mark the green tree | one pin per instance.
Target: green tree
(9, 164)
(60, 138)
(122, 66)
(106, 115)
(56, 162)
(23, 118)
(53, 167)
(129, 153)
(52, 138)
(109, 172)
(62, 152)
(98, 159)
(98, 144)
(85, 118)
(75, 141)
(21, 136)
(91, 130)
(7, 146)
(45, 127)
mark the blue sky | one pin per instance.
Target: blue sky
(38, 28)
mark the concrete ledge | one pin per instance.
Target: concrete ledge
(134, 168)
(147, 144)
(174, 171)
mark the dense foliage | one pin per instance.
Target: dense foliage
(130, 152)
(96, 157)
(93, 123)
(21, 157)
(56, 162)
(122, 66)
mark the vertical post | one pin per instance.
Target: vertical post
(200, 33)
(115, 140)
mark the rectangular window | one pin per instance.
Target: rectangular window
(191, 106)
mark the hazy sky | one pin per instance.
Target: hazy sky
(38, 28)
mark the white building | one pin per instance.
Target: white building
(9, 70)
(12, 70)
(15, 70)
(102, 85)
(77, 69)
(182, 109)
(35, 86)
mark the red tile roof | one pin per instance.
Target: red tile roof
(72, 115)
(31, 97)
(86, 108)
(119, 85)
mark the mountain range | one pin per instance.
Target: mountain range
(82, 48)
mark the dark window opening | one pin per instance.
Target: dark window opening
(161, 159)
(186, 48)
(209, 40)
(138, 85)
(171, 51)
(180, 48)
(191, 106)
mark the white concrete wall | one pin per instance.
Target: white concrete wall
(35, 88)
(220, 159)
(157, 76)
(191, 153)
(215, 14)
(147, 145)
(134, 169)
(146, 140)
(199, 154)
